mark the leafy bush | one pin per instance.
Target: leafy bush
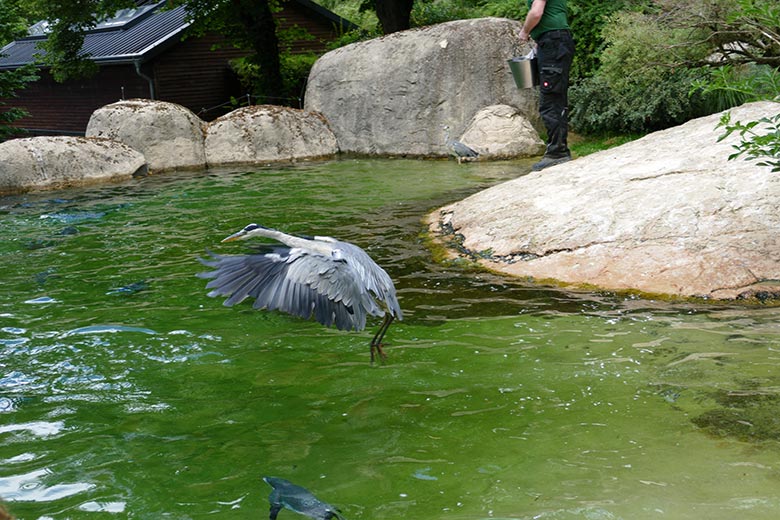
(635, 89)
(587, 19)
(356, 35)
(513, 9)
(597, 107)
(12, 25)
(12, 81)
(755, 145)
(433, 12)
(733, 85)
(295, 70)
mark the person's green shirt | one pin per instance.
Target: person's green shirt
(554, 17)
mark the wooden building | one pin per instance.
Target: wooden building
(142, 54)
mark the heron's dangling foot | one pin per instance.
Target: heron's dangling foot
(376, 342)
(378, 349)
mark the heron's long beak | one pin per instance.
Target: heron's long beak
(235, 236)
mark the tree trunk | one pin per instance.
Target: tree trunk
(257, 18)
(393, 14)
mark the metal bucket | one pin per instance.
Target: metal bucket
(525, 70)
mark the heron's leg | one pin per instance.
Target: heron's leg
(376, 342)
(275, 508)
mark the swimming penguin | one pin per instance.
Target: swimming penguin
(295, 498)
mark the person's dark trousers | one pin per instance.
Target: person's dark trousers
(555, 50)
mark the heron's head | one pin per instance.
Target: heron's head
(248, 231)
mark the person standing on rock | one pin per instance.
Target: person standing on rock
(547, 24)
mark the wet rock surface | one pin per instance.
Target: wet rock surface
(665, 214)
(263, 133)
(37, 163)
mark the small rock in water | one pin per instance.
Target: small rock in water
(69, 230)
(43, 277)
(130, 289)
(38, 243)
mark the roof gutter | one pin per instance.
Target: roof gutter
(149, 80)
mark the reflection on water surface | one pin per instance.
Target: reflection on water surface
(126, 392)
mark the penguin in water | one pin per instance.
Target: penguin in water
(295, 498)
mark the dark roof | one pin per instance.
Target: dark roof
(149, 31)
(133, 41)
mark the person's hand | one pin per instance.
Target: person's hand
(524, 36)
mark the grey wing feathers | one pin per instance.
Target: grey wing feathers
(375, 279)
(463, 150)
(295, 281)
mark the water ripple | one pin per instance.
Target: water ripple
(100, 329)
(36, 428)
(30, 487)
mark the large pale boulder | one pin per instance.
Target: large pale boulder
(55, 162)
(169, 135)
(268, 133)
(392, 95)
(668, 213)
(502, 132)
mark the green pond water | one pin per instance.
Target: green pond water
(126, 392)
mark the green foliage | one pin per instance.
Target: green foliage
(513, 9)
(599, 108)
(12, 26)
(733, 85)
(755, 145)
(11, 81)
(12, 23)
(69, 22)
(295, 70)
(588, 19)
(245, 24)
(429, 12)
(356, 12)
(354, 36)
(638, 49)
(582, 145)
(635, 89)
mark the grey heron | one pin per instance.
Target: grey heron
(457, 149)
(333, 281)
(298, 499)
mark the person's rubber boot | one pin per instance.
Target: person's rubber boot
(548, 161)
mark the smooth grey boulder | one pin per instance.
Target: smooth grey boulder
(502, 132)
(56, 162)
(665, 214)
(268, 133)
(392, 95)
(169, 135)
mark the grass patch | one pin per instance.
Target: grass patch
(582, 145)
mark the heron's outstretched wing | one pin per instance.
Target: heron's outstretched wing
(294, 281)
(374, 278)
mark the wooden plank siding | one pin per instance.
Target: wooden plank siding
(197, 77)
(65, 108)
(187, 72)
